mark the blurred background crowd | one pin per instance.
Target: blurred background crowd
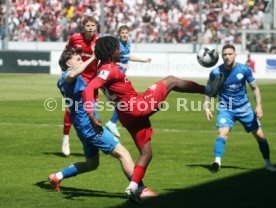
(151, 21)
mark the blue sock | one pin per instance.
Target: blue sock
(140, 184)
(264, 148)
(114, 117)
(69, 171)
(219, 147)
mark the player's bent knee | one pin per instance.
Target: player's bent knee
(92, 163)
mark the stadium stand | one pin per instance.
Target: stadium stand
(151, 21)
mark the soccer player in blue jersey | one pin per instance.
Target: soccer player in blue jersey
(123, 66)
(235, 106)
(93, 138)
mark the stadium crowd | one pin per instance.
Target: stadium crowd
(151, 21)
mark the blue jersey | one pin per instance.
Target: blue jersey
(232, 93)
(125, 53)
(78, 114)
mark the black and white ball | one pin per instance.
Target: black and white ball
(207, 56)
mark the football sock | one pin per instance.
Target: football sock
(59, 176)
(133, 186)
(65, 138)
(264, 148)
(114, 117)
(138, 173)
(69, 171)
(189, 87)
(219, 147)
(218, 160)
(140, 184)
(66, 123)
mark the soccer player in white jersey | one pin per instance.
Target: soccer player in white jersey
(235, 106)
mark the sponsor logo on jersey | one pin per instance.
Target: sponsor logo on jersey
(103, 74)
(222, 120)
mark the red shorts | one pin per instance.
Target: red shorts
(137, 122)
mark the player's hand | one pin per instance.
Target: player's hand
(208, 114)
(259, 112)
(125, 66)
(148, 60)
(96, 124)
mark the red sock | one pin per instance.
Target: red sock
(195, 88)
(138, 173)
(67, 123)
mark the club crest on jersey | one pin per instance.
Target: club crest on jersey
(222, 120)
(103, 74)
(239, 76)
(153, 87)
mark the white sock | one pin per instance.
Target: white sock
(59, 176)
(65, 138)
(133, 186)
(218, 160)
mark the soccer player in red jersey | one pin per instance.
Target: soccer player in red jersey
(84, 41)
(135, 109)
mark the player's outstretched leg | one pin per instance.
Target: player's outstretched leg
(187, 86)
(78, 168)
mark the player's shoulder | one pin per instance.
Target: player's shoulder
(61, 80)
(76, 36)
(107, 70)
(242, 67)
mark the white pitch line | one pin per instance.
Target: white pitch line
(155, 129)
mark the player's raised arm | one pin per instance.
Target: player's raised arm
(75, 71)
(137, 59)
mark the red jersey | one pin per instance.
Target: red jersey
(114, 83)
(119, 89)
(77, 41)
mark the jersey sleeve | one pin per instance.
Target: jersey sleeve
(249, 76)
(97, 82)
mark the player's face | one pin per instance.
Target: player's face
(75, 61)
(124, 34)
(117, 54)
(228, 56)
(90, 28)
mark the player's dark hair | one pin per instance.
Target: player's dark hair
(88, 19)
(105, 47)
(228, 46)
(67, 55)
(123, 27)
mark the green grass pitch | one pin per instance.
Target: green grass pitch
(30, 141)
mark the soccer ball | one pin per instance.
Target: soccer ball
(207, 56)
